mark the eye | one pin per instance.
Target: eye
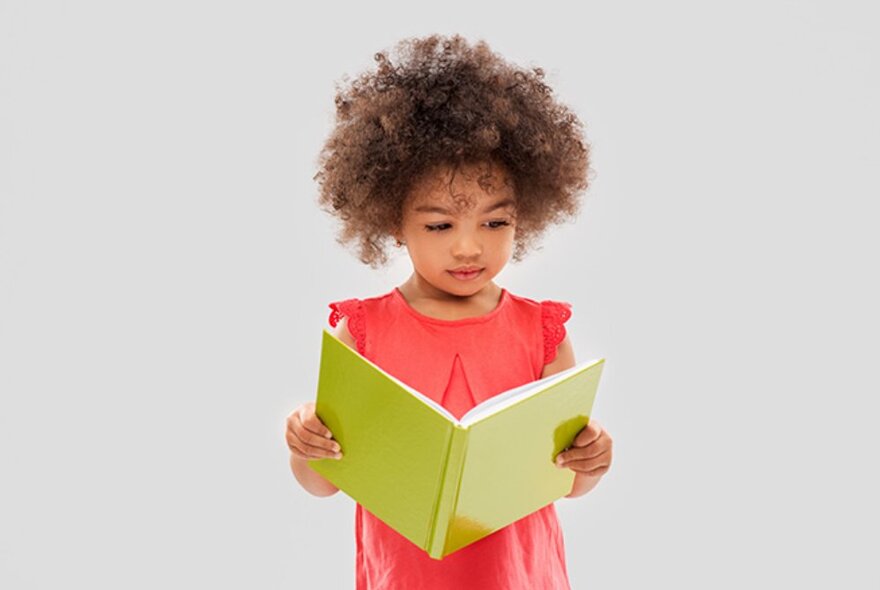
(437, 227)
(499, 225)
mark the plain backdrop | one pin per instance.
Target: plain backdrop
(165, 274)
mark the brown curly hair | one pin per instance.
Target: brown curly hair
(443, 102)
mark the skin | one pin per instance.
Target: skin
(452, 219)
(449, 222)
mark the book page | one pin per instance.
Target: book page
(490, 406)
(506, 399)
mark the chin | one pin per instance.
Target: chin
(466, 287)
(466, 291)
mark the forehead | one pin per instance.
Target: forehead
(461, 189)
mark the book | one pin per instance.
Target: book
(441, 482)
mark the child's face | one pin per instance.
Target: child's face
(462, 224)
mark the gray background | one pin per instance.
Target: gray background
(165, 274)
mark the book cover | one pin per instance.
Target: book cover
(440, 482)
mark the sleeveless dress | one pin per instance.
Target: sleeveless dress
(459, 363)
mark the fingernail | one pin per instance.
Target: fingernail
(337, 456)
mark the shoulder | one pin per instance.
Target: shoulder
(348, 317)
(522, 299)
(561, 359)
(551, 314)
(356, 307)
(343, 332)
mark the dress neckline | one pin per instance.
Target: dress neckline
(502, 301)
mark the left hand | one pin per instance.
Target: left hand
(590, 452)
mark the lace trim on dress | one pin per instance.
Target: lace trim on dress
(353, 309)
(553, 315)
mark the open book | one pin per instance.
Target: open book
(440, 482)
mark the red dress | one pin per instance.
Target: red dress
(460, 363)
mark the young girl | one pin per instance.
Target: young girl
(464, 160)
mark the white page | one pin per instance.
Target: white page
(490, 406)
(497, 403)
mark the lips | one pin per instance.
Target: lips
(466, 275)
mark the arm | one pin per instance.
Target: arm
(312, 481)
(593, 432)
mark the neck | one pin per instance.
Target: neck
(416, 287)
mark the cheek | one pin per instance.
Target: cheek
(423, 251)
(504, 242)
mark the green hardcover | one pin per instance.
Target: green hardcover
(440, 482)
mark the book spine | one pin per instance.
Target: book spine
(447, 495)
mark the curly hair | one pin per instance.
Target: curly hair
(442, 102)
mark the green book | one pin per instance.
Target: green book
(440, 482)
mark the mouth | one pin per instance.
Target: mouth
(466, 274)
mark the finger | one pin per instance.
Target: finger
(596, 472)
(307, 451)
(599, 463)
(582, 453)
(314, 444)
(313, 424)
(308, 440)
(296, 450)
(588, 434)
(299, 425)
(593, 448)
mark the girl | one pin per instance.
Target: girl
(464, 159)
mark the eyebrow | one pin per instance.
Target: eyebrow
(435, 209)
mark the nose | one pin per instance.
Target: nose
(466, 246)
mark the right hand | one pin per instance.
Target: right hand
(307, 437)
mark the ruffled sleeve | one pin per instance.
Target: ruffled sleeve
(354, 310)
(553, 315)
